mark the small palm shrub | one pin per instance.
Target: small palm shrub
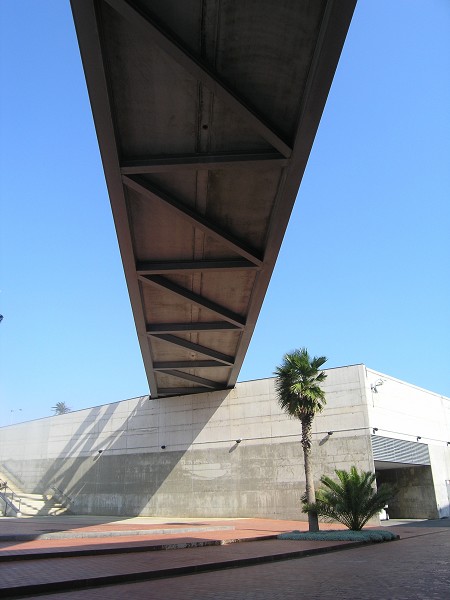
(352, 500)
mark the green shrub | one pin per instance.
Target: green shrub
(351, 500)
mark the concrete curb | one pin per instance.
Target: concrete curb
(74, 552)
(68, 535)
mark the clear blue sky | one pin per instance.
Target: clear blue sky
(363, 274)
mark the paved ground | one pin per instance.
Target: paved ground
(392, 571)
(415, 567)
(64, 534)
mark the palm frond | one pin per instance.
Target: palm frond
(352, 499)
(297, 383)
(60, 408)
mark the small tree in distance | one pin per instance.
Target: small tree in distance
(301, 397)
(60, 408)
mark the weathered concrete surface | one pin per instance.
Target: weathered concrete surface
(258, 480)
(181, 455)
(402, 411)
(416, 498)
(202, 469)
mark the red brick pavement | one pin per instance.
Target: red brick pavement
(120, 567)
(42, 575)
(40, 525)
(414, 568)
(243, 529)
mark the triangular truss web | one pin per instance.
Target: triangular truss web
(205, 128)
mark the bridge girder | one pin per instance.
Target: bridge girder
(206, 112)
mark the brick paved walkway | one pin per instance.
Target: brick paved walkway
(41, 566)
(68, 562)
(18, 531)
(414, 568)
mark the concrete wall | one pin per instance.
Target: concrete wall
(202, 471)
(403, 411)
(415, 498)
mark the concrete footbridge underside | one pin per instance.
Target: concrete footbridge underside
(206, 112)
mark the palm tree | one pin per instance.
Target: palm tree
(60, 408)
(301, 397)
(352, 500)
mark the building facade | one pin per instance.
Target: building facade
(234, 453)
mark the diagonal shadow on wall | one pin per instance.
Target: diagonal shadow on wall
(112, 459)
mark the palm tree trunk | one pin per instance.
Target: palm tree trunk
(313, 520)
